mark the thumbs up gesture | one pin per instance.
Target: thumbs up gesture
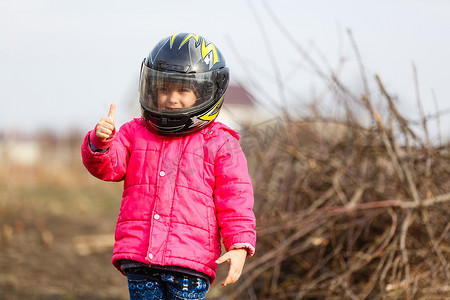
(105, 126)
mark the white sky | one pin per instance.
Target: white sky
(63, 62)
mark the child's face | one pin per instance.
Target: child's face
(175, 95)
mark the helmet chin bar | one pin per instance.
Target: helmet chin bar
(171, 125)
(165, 129)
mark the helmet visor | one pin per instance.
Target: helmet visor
(175, 93)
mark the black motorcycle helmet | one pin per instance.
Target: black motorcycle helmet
(192, 63)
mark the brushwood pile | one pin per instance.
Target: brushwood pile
(349, 208)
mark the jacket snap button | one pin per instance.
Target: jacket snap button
(157, 217)
(162, 173)
(150, 256)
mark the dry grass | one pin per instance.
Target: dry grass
(45, 209)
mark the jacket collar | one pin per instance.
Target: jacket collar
(213, 130)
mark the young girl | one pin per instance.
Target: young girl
(186, 183)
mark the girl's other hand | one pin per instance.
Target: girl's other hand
(236, 258)
(105, 127)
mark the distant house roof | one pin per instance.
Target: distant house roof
(238, 95)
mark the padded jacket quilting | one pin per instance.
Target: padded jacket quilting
(181, 194)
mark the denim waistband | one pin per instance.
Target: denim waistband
(135, 267)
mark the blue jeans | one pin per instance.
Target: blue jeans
(163, 284)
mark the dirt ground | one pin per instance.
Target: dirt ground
(57, 225)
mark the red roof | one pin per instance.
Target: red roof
(236, 94)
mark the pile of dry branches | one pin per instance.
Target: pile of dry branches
(353, 206)
(349, 211)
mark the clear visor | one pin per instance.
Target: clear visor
(174, 93)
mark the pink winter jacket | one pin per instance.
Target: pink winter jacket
(181, 194)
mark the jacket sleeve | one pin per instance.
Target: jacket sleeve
(110, 165)
(233, 197)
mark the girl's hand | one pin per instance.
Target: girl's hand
(105, 127)
(236, 258)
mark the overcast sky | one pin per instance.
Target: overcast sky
(63, 62)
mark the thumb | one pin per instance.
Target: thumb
(222, 259)
(112, 111)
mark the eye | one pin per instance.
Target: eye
(163, 89)
(184, 90)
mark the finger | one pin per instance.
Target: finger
(106, 122)
(227, 280)
(112, 111)
(102, 135)
(222, 259)
(105, 131)
(232, 277)
(233, 273)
